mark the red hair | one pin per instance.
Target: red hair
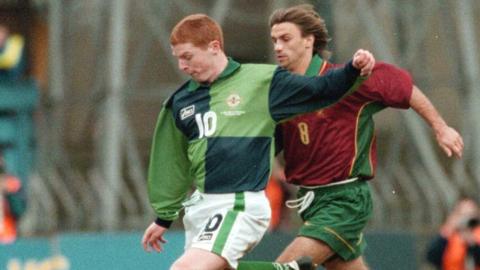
(198, 29)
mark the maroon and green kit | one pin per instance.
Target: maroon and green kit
(338, 142)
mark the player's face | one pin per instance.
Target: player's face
(195, 61)
(289, 45)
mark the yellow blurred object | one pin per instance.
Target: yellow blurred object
(12, 52)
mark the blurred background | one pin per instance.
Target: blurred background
(85, 80)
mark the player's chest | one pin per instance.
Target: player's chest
(229, 112)
(328, 121)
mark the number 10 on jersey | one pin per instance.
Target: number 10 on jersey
(207, 124)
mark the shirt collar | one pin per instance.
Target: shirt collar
(231, 67)
(315, 66)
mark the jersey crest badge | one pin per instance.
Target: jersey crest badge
(233, 100)
(187, 112)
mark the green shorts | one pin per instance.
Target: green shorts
(337, 216)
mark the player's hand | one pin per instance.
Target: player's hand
(364, 60)
(450, 141)
(153, 238)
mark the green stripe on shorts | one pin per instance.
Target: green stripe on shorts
(224, 232)
(239, 202)
(238, 206)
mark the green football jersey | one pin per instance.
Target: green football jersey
(220, 137)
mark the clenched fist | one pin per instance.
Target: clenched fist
(364, 60)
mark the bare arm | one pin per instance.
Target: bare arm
(447, 138)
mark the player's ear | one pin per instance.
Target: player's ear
(214, 46)
(309, 40)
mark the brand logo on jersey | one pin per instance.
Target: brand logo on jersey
(187, 112)
(233, 100)
(205, 237)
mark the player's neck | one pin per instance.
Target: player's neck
(221, 62)
(302, 64)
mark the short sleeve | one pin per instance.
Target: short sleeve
(389, 85)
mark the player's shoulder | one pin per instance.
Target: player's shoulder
(182, 89)
(384, 66)
(253, 72)
(386, 71)
(258, 67)
(378, 66)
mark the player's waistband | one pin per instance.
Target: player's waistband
(198, 196)
(341, 185)
(343, 182)
(308, 193)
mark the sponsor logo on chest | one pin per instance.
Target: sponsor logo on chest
(233, 100)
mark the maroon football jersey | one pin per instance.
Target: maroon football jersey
(338, 142)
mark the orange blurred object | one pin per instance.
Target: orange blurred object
(275, 195)
(12, 184)
(456, 251)
(8, 226)
(8, 230)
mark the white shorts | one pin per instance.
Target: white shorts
(228, 224)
